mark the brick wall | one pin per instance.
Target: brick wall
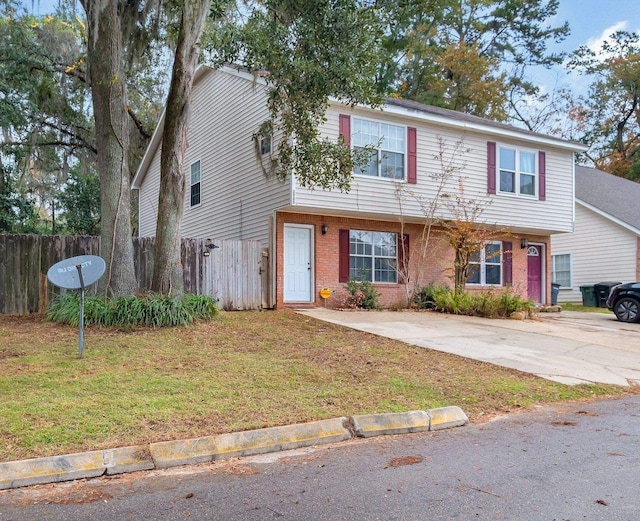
(433, 265)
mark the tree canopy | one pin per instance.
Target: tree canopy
(608, 118)
(47, 140)
(307, 52)
(467, 55)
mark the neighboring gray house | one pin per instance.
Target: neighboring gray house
(605, 245)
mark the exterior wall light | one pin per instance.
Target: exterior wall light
(208, 248)
(524, 243)
(325, 228)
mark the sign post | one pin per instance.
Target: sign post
(81, 318)
(77, 273)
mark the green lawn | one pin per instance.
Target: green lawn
(239, 371)
(573, 306)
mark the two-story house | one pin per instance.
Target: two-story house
(319, 239)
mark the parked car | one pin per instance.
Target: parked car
(624, 301)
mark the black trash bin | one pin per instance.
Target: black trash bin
(601, 290)
(555, 289)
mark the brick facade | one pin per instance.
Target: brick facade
(437, 266)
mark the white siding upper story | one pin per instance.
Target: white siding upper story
(600, 250)
(237, 198)
(370, 195)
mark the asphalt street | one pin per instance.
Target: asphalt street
(575, 461)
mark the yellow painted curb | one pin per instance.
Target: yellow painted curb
(287, 437)
(198, 450)
(183, 452)
(28, 472)
(128, 459)
(447, 417)
(368, 425)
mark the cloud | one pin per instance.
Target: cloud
(595, 44)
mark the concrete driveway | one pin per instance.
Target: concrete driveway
(567, 347)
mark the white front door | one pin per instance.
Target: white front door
(298, 270)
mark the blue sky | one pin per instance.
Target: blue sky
(592, 20)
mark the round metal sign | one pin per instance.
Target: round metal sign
(325, 293)
(64, 274)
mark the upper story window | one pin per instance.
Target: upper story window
(561, 269)
(518, 171)
(265, 145)
(373, 256)
(390, 144)
(486, 265)
(195, 183)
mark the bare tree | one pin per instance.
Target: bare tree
(466, 233)
(414, 260)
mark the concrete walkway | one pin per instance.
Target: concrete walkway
(567, 347)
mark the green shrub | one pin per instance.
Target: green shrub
(361, 295)
(485, 304)
(150, 309)
(425, 297)
(509, 303)
(201, 306)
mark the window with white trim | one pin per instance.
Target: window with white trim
(373, 256)
(265, 145)
(561, 269)
(390, 148)
(195, 183)
(485, 267)
(518, 171)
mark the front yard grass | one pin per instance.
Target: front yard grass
(240, 371)
(574, 306)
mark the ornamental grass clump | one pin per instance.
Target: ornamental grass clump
(425, 297)
(486, 304)
(150, 309)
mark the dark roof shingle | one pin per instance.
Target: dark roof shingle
(611, 194)
(464, 117)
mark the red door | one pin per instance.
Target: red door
(534, 273)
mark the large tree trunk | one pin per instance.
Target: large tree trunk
(167, 270)
(108, 90)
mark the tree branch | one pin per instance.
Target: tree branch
(138, 124)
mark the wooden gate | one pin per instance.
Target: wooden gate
(233, 272)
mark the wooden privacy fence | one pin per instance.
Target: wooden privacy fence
(232, 271)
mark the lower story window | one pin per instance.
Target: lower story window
(486, 265)
(373, 256)
(561, 270)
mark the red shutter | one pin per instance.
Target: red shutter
(412, 165)
(542, 176)
(491, 167)
(507, 262)
(343, 256)
(345, 129)
(403, 257)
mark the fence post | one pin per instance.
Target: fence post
(43, 299)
